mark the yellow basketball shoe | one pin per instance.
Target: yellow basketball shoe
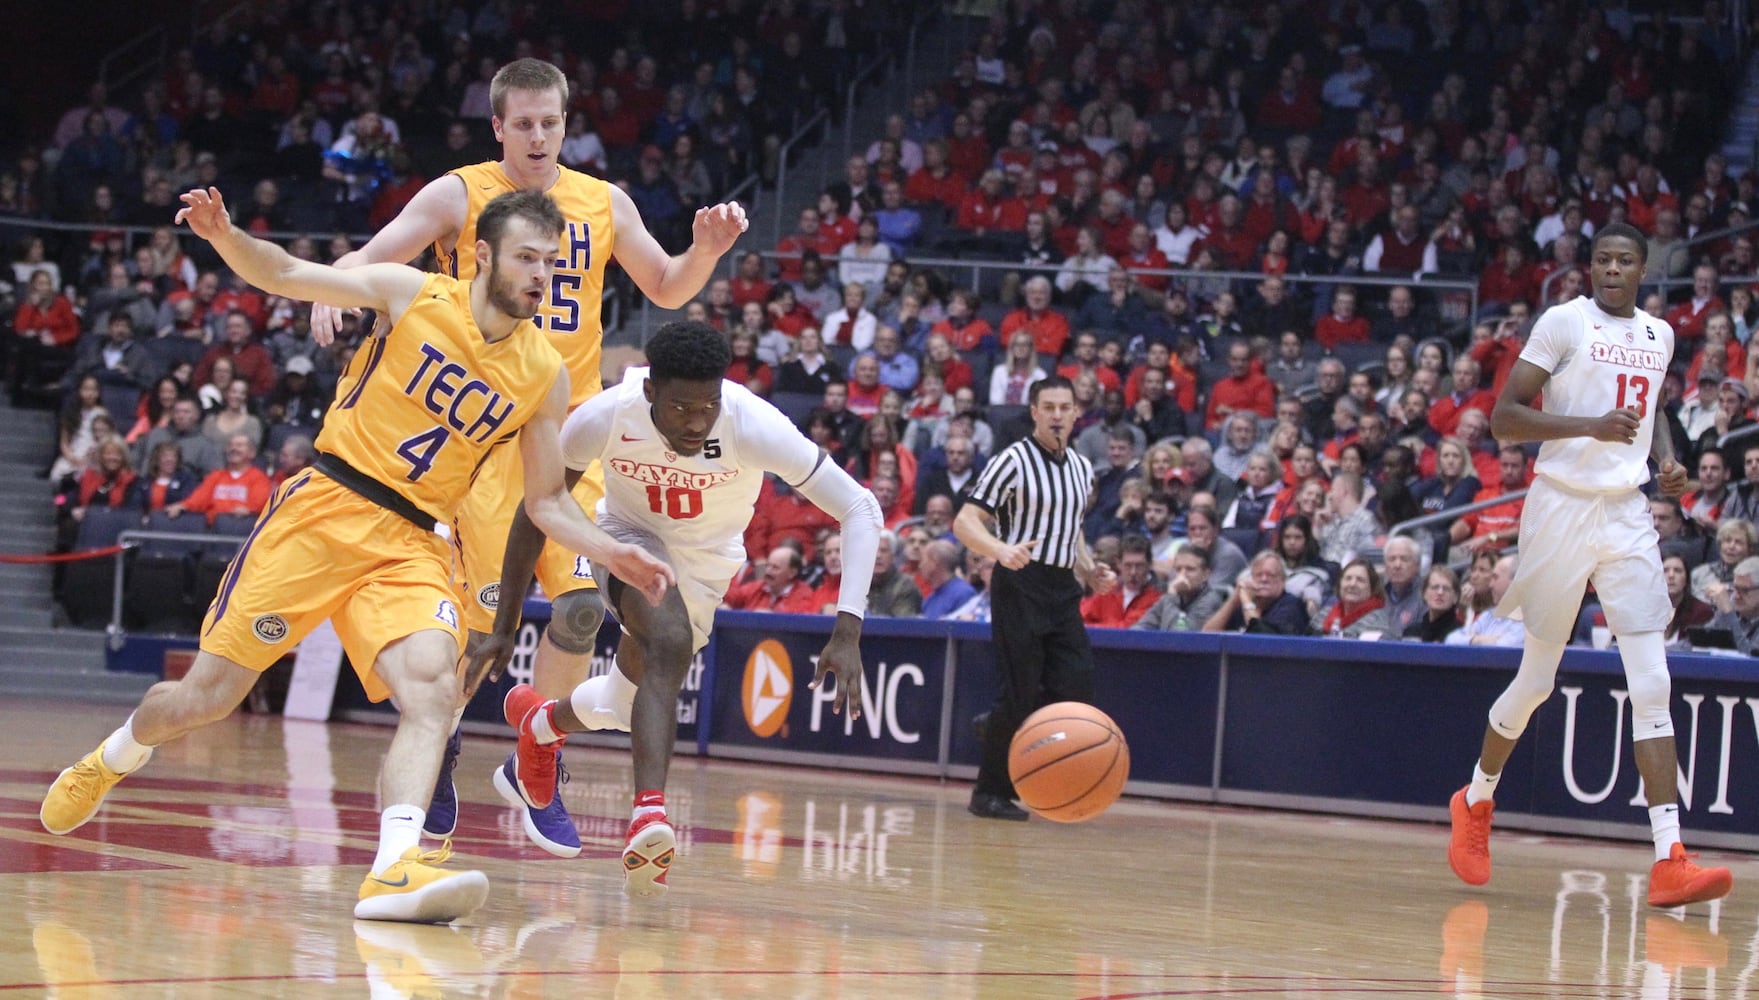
(77, 793)
(417, 890)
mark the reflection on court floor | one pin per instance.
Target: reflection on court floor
(228, 867)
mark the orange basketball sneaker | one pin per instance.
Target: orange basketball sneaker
(1469, 844)
(1678, 881)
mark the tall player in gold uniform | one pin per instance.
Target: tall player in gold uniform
(460, 372)
(530, 98)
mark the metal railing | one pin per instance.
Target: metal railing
(131, 539)
(1667, 280)
(816, 122)
(1453, 513)
(950, 265)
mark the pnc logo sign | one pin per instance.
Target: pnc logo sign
(768, 688)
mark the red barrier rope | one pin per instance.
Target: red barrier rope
(61, 557)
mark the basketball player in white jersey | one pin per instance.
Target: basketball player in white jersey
(684, 454)
(1600, 363)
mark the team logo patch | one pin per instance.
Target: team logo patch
(447, 613)
(490, 596)
(1631, 338)
(582, 568)
(269, 628)
(768, 689)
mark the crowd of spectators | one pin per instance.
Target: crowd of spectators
(323, 120)
(1118, 169)
(1256, 438)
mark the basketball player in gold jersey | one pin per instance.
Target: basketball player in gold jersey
(530, 97)
(460, 371)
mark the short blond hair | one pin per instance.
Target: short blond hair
(526, 74)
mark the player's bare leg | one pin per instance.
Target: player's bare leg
(561, 665)
(208, 693)
(659, 649)
(406, 884)
(564, 655)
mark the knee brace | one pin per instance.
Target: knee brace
(1645, 658)
(1531, 686)
(574, 621)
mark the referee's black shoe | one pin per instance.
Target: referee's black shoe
(989, 806)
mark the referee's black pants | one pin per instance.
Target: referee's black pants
(1042, 657)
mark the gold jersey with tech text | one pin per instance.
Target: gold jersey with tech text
(570, 316)
(420, 408)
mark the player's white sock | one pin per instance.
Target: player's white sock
(651, 801)
(122, 753)
(541, 722)
(605, 701)
(1483, 786)
(399, 830)
(1664, 823)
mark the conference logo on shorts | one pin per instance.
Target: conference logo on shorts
(490, 596)
(269, 628)
(768, 689)
(448, 613)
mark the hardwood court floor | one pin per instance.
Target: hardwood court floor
(228, 869)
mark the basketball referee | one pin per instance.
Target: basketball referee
(1034, 493)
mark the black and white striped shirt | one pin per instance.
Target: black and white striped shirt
(1034, 495)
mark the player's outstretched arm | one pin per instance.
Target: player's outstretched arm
(436, 212)
(555, 512)
(388, 288)
(857, 512)
(1516, 421)
(672, 281)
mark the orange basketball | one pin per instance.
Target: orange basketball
(1069, 762)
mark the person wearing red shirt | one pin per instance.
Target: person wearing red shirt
(1509, 278)
(1291, 107)
(239, 295)
(1687, 318)
(1498, 353)
(1234, 247)
(748, 284)
(1266, 210)
(964, 329)
(251, 361)
(1342, 325)
(1648, 200)
(939, 359)
(108, 481)
(1049, 328)
(618, 127)
(981, 211)
(1495, 528)
(808, 236)
(967, 149)
(780, 589)
(1019, 153)
(1444, 413)
(836, 226)
(239, 488)
(1365, 199)
(830, 584)
(936, 181)
(782, 514)
(1085, 359)
(1144, 255)
(1244, 388)
(1113, 223)
(1135, 593)
(46, 326)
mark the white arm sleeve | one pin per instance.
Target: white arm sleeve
(838, 494)
(587, 429)
(777, 446)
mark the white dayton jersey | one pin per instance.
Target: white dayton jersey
(1598, 363)
(702, 501)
